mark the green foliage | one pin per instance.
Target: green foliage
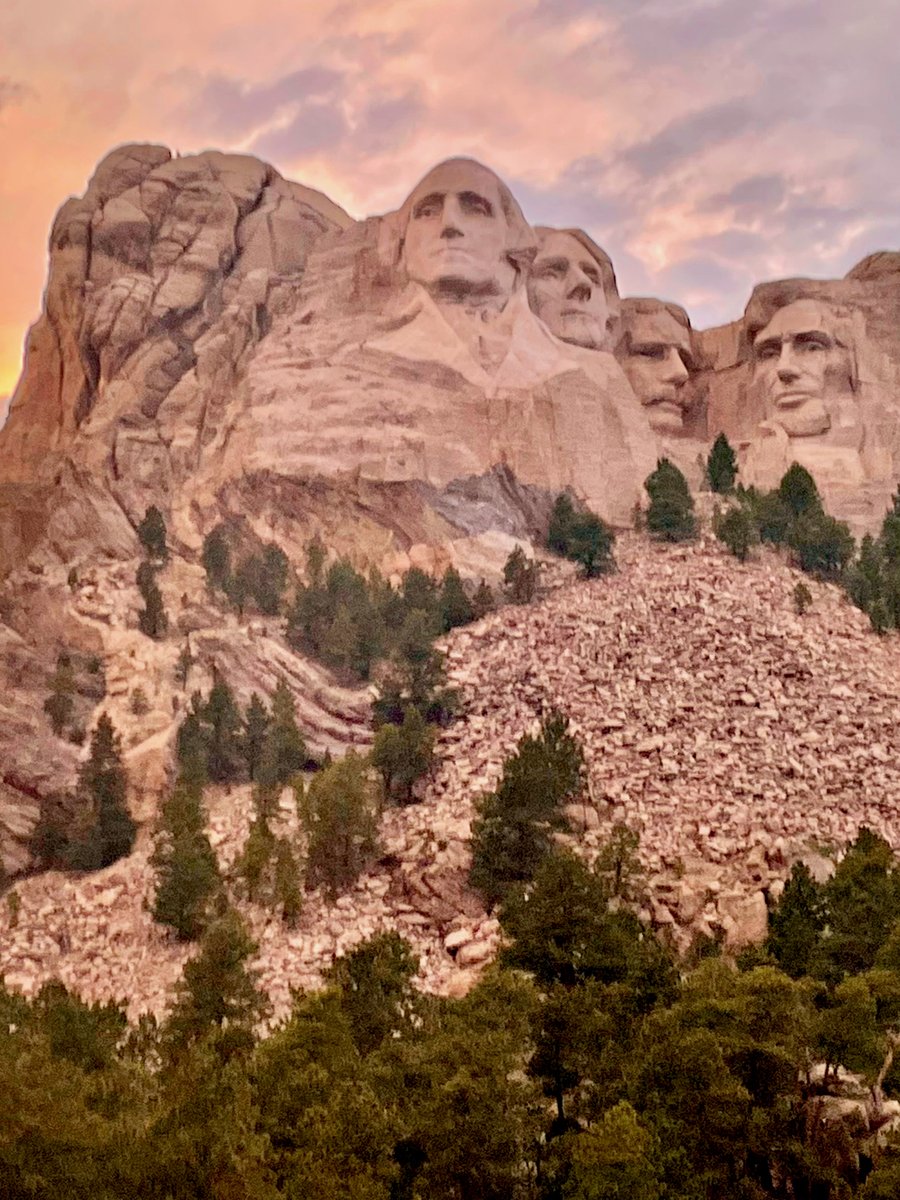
(183, 665)
(220, 720)
(254, 736)
(152, 619)
(670, 515)
(415, 677)
(564, 930)
(798, 491)
(402, 754)
(102, 789)
(736, 529)
(796, 923)
(152, 534)
(339, 819)
(60, 704)
(821, 545)
(593, 1070)
(873, 579)
(217, 992)
(581, 536)
(483, 601)
(187, 872)
(284, 750)
(520, 577)
(351, 623)
(376, 989)
(721, 466)
(513, 832)
(802, 598)
(455, 606)
(216, 559)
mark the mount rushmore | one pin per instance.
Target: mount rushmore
(415, 389)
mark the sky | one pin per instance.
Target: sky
(706, 144)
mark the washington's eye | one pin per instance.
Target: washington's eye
(593, 276)
(471, 202)
(429, 207)
(553, 268)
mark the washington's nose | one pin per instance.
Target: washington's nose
(450, 222)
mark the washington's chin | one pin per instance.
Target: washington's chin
(665, 416)
(582, 333)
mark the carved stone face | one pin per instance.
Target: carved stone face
(800, 364)
(566, 290)
(657, 358)
(457, 235)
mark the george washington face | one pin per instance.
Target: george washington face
(458, 234)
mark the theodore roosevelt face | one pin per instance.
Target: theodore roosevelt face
(657, 358)
(457, 233)
(567, 288)
(799, 362)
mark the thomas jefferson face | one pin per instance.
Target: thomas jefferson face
(457, 234)
(566, 290)
(800, 362)
(657, 359)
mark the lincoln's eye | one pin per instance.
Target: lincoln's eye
(765, 352)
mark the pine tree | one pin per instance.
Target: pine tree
(271, 579)
(253, 738)
(152, 618)
(821, 545)
(513, 832)
(520, 577)
(60, 704)
(221, 723)
(670, 515)
(402, 754)
(735, 528)
(483, 601)
(339, 819)
(721, 466)
(187, 872)
(455, 606)
(590, 544)
(152, 534)
(562, 518)
(287, 883)
(797, 922)
(284, 750)
(798, 491)
(217, 993)
(416, 677)
(103, 785)
(216, 559)
(341, 642)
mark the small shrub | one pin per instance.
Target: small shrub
(802, 598)
(520, 577)
(670, 515)
(139, 704)
(736, 529)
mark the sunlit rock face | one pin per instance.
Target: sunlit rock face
(572, 288)
(811, 374)
(412, 362)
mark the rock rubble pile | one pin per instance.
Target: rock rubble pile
(733, 735)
